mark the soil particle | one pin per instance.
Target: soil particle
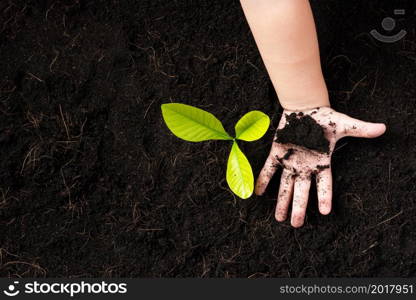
(288, 154)
(303, 131)
(322, 167)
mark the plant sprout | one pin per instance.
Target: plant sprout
(196, 125)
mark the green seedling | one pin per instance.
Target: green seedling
(196, 125)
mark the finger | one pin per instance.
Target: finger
(357, 128)
(300, 200)
(324, 189)
(266, 174)
(287, 182)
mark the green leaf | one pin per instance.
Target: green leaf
(252, 126)
(193, 124)
(240, 177)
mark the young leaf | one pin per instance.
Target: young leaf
(240, 177)
(193, 124)
(252, 126)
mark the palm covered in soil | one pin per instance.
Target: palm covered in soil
(303, 147)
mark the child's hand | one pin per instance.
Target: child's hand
(300, 163)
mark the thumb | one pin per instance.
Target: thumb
(357, 128)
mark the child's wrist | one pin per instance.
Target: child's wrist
(305, 107)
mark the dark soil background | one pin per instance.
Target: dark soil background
(93, 184)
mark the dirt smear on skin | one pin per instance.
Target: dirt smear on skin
(302, 130)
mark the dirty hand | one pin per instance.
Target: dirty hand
(303, 146)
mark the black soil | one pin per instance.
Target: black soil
(92, 183)
(288, 154)
(322, 167)
(302, 130)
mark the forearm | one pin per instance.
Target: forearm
(285, 34)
